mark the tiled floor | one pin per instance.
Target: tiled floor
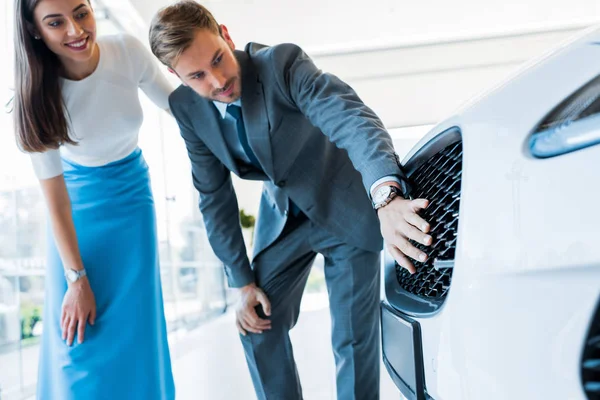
(210, 363)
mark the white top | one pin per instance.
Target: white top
(104, 110)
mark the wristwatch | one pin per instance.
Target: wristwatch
(73, 275)
(384, 195)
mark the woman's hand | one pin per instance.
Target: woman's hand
(79, 307)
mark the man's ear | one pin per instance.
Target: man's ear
(225, 35)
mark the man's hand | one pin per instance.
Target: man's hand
(246, 318)
(400, 222)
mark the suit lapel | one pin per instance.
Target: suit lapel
(255, 114)
(209, 128)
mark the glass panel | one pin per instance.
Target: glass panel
(10, 333)
(196, 276)
(12, 237)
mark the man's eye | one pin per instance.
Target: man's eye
(198, 76)
(218, 59)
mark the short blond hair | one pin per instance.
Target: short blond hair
(174, 27)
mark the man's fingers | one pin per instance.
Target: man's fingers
(255, 322)
(408, 249)
(413, 233)
(247, 318)
(239, 328)
(252, 317)
(415, 220)
(401, 259)
(248, 327)
(259, 323)
(419, 204)
(81, 330)
(264, 302)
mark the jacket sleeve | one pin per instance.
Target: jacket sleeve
(334, 107)
(218, 204)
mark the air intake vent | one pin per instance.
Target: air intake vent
(437, 179)
(590, 362)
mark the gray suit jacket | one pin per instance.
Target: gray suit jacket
(318, 143)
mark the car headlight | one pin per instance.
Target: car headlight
(573, 125)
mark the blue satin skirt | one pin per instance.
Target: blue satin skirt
(125, 355)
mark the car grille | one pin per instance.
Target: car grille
(438, 179)
(590, 363)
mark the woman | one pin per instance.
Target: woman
(77, 112)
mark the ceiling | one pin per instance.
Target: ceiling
(318, 24)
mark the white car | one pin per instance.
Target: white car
(508, 305)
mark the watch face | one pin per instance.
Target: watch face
(381, 194)
(71, 275)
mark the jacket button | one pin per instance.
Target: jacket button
(281, 183)
(286, 212)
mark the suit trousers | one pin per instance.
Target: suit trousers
(353, 284)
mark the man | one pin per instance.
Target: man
(267, 113)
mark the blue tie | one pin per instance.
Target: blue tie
(236, 113)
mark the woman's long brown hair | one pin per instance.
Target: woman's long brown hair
(39, 111)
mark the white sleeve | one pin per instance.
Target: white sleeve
(47, 164)
(151, 80)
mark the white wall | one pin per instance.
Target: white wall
(335, 23)
(422, 83)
